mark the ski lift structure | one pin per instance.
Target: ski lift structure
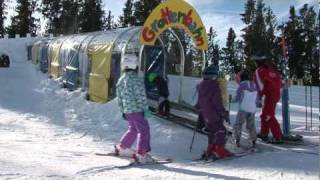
(92, 61)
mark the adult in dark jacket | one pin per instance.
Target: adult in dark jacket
(212, 110)
(162, 87)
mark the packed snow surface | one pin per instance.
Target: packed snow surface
(50, 133)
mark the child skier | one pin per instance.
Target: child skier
(162, 86)
(246, 97)
(211, 108)
(269, 84)
(133, 104)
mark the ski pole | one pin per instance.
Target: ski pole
(311, 111)
(194, 134)
(306, 104)
(230, 98)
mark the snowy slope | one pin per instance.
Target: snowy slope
(50, 133)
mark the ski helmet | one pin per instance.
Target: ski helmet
(129, 61)
(259, 56)
(210, 72)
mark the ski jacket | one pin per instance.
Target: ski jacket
(131, 93)
(268, 82)
(246, 96)
(210, 101)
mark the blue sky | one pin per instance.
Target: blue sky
(223, 14)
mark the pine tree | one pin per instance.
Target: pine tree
(92, 17)
(294, 39)
(213, 54)
(52, 11)
(109, 21)
(142, 9)
(308, 16)
(231, 63)
(248, 36)
(249, 14)
(23, 22)
(271, 26)
(2, 17)
(69, 17)
(259, 31)
(240, 53)
(301, 35)
(127, 18)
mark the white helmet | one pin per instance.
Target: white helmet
(129, 61)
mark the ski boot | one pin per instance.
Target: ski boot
(123, 152)
(143, 158)
(221, 152)
(264, 138)
(253, 144)
(238, 143)
(275, 141)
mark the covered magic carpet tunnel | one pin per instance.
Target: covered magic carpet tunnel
(172, 44)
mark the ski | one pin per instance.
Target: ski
(234, 156)
(138, 164)
(134, 163)
(107, 154)
(285, 142)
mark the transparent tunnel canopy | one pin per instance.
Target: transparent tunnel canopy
(54, 57)
(128, 39)
(93, 60)
(43, 55)
(35, 52)
(70, 61)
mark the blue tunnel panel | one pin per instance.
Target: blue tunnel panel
(44, 59)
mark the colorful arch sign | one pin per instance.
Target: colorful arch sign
(174, 13)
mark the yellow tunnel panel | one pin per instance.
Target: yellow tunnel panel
(55, 62)
(100, 60)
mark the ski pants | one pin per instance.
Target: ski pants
(268, 119)
(248, 118)
(216, 131)
(138, 129)
(164, 105)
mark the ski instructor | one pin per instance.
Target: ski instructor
(269, 84)
(132, 102)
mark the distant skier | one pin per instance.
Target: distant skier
(212, 111)
(133, 104)
(162, 87)
(269, 84)
(246, 96)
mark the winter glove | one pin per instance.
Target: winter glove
(197, 106)
(200, 122)
(124, 116)
(227, 117)
(259, 102)
(147, 113)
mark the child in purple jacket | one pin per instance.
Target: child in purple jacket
(247, 98)
(211, 109)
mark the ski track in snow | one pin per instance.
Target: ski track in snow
(50, 133)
